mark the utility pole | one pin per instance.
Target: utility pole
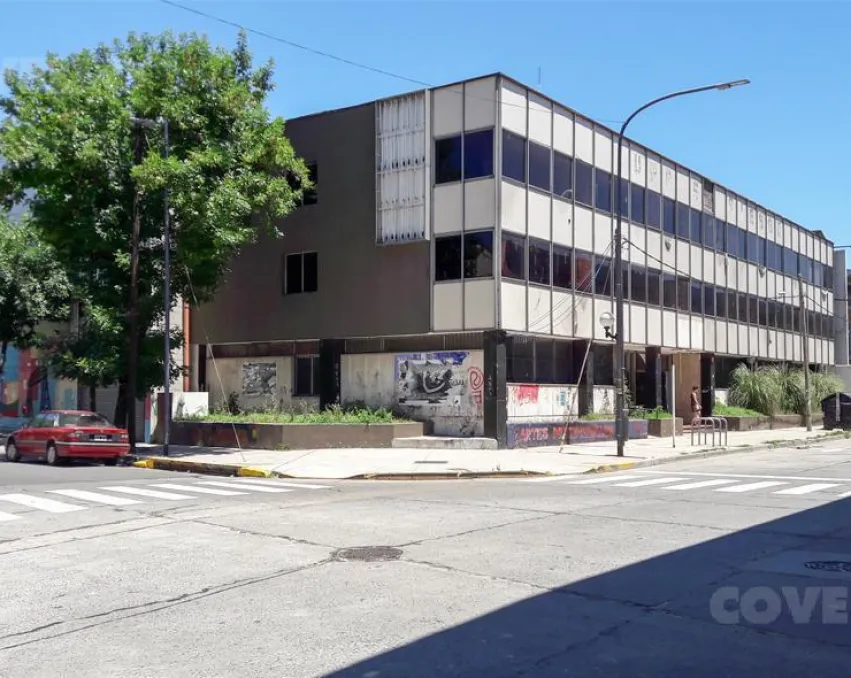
(167, 303)
(805, 334)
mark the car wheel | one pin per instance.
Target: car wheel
(12, 451)
(110, 462)
(53, 457)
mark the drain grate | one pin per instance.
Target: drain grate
(368, 554)
(829, 565)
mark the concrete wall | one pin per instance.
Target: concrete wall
(259, 383)
(543, 403)
(443, 388)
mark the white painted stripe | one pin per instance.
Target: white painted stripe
(844, 495)
(5, 517)
(806, 489)
(41, 503)
(250, 488)
(607, 479)
(652, 481)
(549, 479)
(154, 494)
(195, 488)
(96, 497)
(699, 484)
(831, 449)
(754, 477)
(748, 487)
(271, 482)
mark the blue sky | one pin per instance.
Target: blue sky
(780, 141)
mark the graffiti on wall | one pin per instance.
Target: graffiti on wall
(26, 388)
(259, 379)
(432, 378)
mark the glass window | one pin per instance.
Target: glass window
(772, 256)
(761, 254)
(654, 210)
(790, 262)
(520, 359)
(624, 188)
(478, 154)
(540, 161)
(683, 293)
(584, 278)
(448, 160)
(708, 231)
(720, 236)
(513, 256)
(305, 384)
(539, 262)
(564, 362)
(720, 303)
(753, 309)
(763, 312)
(562, 175)
(294, 274)
(603, 277)
(562, 267)
(696, 298)
(603, 186)
(669, 216)
(653, 287)
(447, 258)
(478, 254)
(732, 306)
(771, 315)
(743, 307)
(82, 419)
(696, 226)
(636, 207)
(604, 366)
(682, 221)
(584, 183)
(638, 276)
(544, 361)
(733, 241)
(753, 248)
(310, 262)
(669, 290)
(513, 156)
(708, 300)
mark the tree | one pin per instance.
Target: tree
(67, 137)
(33, 287)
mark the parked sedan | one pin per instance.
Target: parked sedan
(59, 435)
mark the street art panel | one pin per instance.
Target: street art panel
(259, 379)
(26, 389)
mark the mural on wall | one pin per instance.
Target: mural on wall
(26, 389)
(259, 379)
(431, 378)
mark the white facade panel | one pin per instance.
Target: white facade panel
(708, 266)
(744, 345)
(584, 140)
(654, 174)
(480, 103)
(696, 197)
(769, 228)
(742, 216)
(637, 324)
(732, 216)
(514, 107)
(513, 306)
(762, 339)
(637, 251)
(742, 276)
(683, 187)
(669, 329)
(583, 317)
(603, 235)
(562, 313)
(479, 304)
(721, 268)
(752, 279)
(540, 120)
(637, 167)
(721, 337)
(540, 310)
(583, 232)
(720, 204)
(603, 153)
(447, 107)
(733, 338)
(669, 254)
(654, 249)
(540, 217)
(654, 326)
(683, 330)
(513, 210)
(448, 312)
(697, 333)
(479, 204)
(751, 217)
(694, 264)
(448, 208)
(762, 282)
(760, 223)
(563, 223)
(709, 333)
(562, 131)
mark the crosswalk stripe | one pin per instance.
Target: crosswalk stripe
(652, 481)
(41, 503)
(806, 489)
(699, 484)
(250, 488)
(277, 483)
(196, 488)
(748, 487)
(154, 494)
(606, 479)
(96, 497)
(5, 517)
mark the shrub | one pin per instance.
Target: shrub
(773, 390)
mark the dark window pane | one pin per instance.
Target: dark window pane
(584, 183)
(720, 303)
(653, 287)
(790, 262)
(828, 277)
(720, 236)
(603, 277)
(638, 274)
(654, 210)
(513, 257)
(771, 319)
(562, 175)
(624, 188)
(753, 309)
(303, 376)
(708, 231)
(294, 276)
(311, 271)
(709, 300)
(761, 254)
(562, 267)
(696, 226)
(311, 195)
(478, 154)
(733, 310)
(669, 290)
(604, 366)
(753, 248)
(447, 258)
(763, 313)
(603, 187)
(584, 279)
(733, 241)
(697, 298)
(448, 160)
(564, 362)
(683, 294)
(540, 159)
(636, 207)
(818, 274)
(682, 221)
(520, 359)
(513, 156)
(539, 262)
(669, 216)
(743, 307)
(544, 364)
(478, 255)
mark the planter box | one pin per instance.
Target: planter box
(770, 423)
(664, 428)
(289, 436)
(546, 434)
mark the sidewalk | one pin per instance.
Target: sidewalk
(402, 463)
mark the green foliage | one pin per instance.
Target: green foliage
(773, 390)
(722, 410)
(68, 142)
(656, 413)
(332, 415)
(33, 287)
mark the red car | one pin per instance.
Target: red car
(60, 435)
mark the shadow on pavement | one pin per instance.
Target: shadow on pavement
(770, 600)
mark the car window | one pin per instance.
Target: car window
(51, 420)
(38, 421)
(83, 419)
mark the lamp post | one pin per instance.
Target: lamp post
(618, 335)
(153, 124)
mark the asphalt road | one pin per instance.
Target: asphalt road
(729, 566)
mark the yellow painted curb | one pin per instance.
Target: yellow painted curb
(608, 468)
(144, 463)
(246, 472)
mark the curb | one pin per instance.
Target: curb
(228, 470)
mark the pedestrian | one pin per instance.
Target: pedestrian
(695, 404)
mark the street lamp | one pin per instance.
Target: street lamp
(607, 320)
(147, 123)
(620, 357)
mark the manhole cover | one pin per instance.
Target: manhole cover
(829, 565)
(369, 554)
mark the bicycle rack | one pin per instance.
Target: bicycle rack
(703, 426)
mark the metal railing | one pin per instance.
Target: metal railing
(702, 427)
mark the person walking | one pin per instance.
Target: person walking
(695, 405)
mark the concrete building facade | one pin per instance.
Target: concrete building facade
(456, 256)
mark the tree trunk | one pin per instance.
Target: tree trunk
(133, 357)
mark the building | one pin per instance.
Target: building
(456, 258)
